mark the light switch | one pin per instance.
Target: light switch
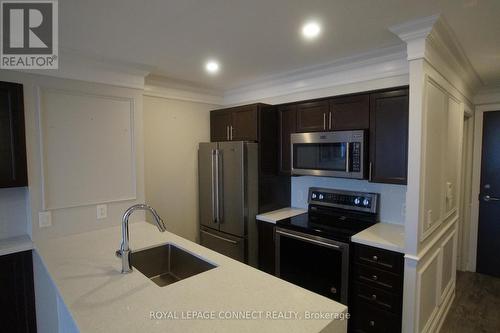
(102, 212)
(44, 219)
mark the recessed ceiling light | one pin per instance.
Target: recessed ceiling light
(212, 66)
(311, 30)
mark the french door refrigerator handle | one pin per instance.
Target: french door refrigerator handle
(220, 186)
(216, 183)
(213, 183)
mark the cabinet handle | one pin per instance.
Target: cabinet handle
(324, 121)
(231, 132)
(372, 323)
(330, 120)
(374, 277)
(375, 258)
(370, 172)
(374, 297)
(227, 133)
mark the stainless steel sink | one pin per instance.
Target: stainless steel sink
(167, 264)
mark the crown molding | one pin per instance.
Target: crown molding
(432, 39)
(378, 64)
(414, 33)
(92, 68)
(163, 87)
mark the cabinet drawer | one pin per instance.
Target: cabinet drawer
(382, 259)
(370, 319)
(378, 278)
(377, 297)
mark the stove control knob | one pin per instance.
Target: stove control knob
(357, 201)
(320, 197)
(366, 202)
(314, 196)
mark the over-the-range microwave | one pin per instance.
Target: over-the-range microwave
(331, 154)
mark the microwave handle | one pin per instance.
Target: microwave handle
(347, 156)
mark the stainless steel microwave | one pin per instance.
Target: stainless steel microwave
(332, 154)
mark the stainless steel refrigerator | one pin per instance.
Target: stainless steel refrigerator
(228, 198)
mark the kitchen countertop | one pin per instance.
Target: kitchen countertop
(15, 244)
(87, 276)
(280, 214)
(383, 235)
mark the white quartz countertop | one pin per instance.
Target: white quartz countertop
(280, 214)
(383, 235)
(87, 276)
(15, 244)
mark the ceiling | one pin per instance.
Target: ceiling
(258, 38)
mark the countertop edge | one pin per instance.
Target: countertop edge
(15, 244)
(280, 214)
(388, 247)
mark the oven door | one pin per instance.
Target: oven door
(318, 264)
(331, 154)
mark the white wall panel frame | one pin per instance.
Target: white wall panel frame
(46, 204)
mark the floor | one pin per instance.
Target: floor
(476, 307)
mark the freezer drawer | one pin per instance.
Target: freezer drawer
(228, 245)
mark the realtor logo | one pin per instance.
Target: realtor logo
(29, 35)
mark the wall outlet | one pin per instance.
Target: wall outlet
(102, 212)
(44, 219)
(429, 217)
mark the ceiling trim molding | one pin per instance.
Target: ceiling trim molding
(75, 65)
(157, 86)
(432, 39)
(378, 64)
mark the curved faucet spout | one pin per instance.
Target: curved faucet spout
(124, 251)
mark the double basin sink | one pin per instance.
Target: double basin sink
(166, 264)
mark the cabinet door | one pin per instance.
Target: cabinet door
(287, 123)
(219, 125)
(389, 137)
(349, 113)
(312, 116)
(266, 247)
(13, 171)
(17, 304)
(244, 123)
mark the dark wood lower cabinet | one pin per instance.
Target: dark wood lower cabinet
(266, 246)
(17, 303)
(376, 290)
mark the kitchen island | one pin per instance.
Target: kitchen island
(232, 297)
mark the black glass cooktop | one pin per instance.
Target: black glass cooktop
(334, 224)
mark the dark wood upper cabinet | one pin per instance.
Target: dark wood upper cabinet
(389, 137)
(312, 116)
(17, 304)
(220, 121)
(13, 169)
(288, 123)
(349, 113)
(235, 124)
(244, 123)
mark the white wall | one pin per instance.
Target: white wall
(13, 215)
(47, 99)
(172, 131)
(392, 197)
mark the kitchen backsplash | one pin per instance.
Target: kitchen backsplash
(392, 197)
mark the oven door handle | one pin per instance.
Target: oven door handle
(314, 241)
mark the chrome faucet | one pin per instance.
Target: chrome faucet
(124, 251)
